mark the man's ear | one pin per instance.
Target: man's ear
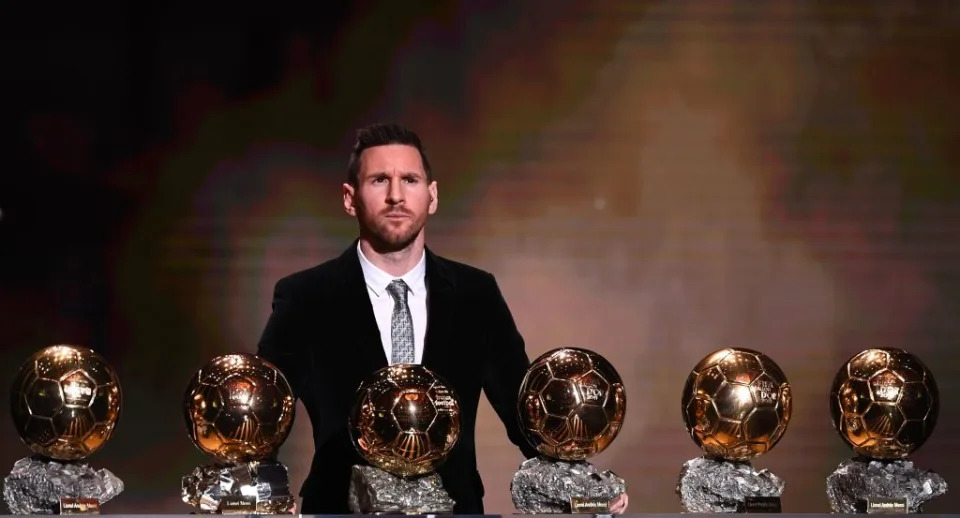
(434, 197)
(349, 192)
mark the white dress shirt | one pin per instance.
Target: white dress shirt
(377, 281)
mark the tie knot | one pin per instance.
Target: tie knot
(398, 290)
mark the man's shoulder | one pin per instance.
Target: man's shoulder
(462, 273)
(322, 274)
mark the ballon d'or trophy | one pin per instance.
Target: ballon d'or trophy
(884, 404)
(239, 409)
(736, 405)
(404, 422)
(65, 402)
(571, 404)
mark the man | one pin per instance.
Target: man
(335, 324)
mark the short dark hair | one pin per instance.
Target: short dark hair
(383, 134)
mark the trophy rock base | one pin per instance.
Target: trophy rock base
(719, 486)
(856, 481)
(544, 486)
(242, 488)
(374, 491)
(36, 485)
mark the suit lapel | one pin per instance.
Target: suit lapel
(441, 297)
(364, 333)
(358, 314)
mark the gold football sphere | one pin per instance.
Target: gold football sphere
(736, 404)
(884, 403)
(65, 402)
(572, 403)
(405, 420)
(238, 408)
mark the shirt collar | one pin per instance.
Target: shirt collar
(377, 279)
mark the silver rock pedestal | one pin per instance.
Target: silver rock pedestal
(242, 488)
(717, 486)
(856, 481)
(374, 491)
(544, 485)
(36, 485)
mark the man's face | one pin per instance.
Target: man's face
(392, 198)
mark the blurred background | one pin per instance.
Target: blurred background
(651, 180)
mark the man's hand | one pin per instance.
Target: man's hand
(619, 504)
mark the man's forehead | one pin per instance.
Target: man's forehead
(391, 157)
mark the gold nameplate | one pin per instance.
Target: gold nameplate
(761, 504)
(886, 505)
(75, 505)
(238, 505)
(587, 505)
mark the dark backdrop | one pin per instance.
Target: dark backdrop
(650, 180)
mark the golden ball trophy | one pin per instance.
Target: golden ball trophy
(736, 405)
(571, 404)
(884, 404)
(405, 421)
(239, 409)
(65, 404)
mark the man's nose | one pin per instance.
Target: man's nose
(395, 191)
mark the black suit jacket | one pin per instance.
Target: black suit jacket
(323, 336)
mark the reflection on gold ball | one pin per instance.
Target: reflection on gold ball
(238, 408)
(405, 420)
(884, 403)
(65, 402)
(736, 404)
(572, 403)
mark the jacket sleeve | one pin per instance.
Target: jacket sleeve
(285, 343)
(505, 366)
(278, 344)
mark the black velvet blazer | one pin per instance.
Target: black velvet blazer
(323, 335)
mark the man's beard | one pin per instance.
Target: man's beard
(385, 239)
